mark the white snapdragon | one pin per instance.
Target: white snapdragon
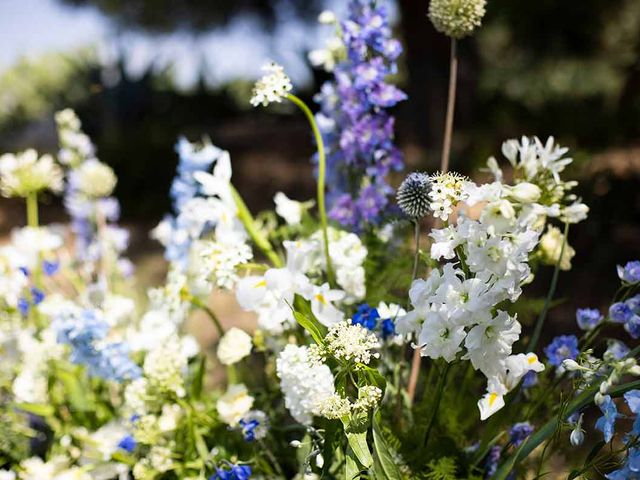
(305, 384)
(234, 346)
(272, 87)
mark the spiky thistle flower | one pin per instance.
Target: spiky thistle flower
(456, 18)
(413, 195)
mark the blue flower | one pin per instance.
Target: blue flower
(23, 306)
(632, 398)
(128, 444)
(630, 273)
(388, 328)
(366, 316)
(588, 318)
(631, 468)
(606, 423)
(50, 268)
(37, 295)
(24, 271)
(620, 312)
(236, 472)
(561, 348)
(492, 461)
(519, 432)
(249, 429)
(530, 379)
(616, 350)
(633, 326)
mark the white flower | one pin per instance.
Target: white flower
(165, 366)
(321, 305)
(439, 336)
(574, 213)
(234, 346)
(551, 246)
(490, 404)
(272, 87)
(351, 342)
(221, 260)
(304, 383)
(94, 179)
(289, 210)
(333, 407)
(26, 173)
(327, 17)
(525, 192)
(169, 418)
(234, 404)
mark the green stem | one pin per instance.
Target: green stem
(417, 253)
(250, 226)
(322, 174)
(434, 413)
(552, 290)
(552, 425)
(212, 316)
(32, 209)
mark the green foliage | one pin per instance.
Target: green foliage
(442, 469)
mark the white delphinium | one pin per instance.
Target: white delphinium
(94, 179)
(221, 260)
(234, 404)
(351, 343)
(165, 366)
(272, 87)
(289, 210)
(234, 346)
(304, 383)
(491, 341)
(26, 173)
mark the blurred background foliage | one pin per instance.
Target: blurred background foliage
(568, 69)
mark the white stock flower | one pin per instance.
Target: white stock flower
(234, 404)
(272, 87)
(234, 346)
(304, 383)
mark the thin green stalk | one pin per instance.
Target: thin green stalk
(212, 316)
(416, 258)
(552, 425)
(552, 290)
(322, 174)
(250, 226)
(434, 413)
(451, 107)
(32, 209)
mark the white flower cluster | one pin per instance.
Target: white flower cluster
(76, 146)
(351, 343)
(272, 87)
(164, 368)
(454, 308)
(26, 173)
(94, 178)
(304, 383)
(221, 260)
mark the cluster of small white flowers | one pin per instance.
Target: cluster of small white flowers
(221, 260)
(456, 18)
(333, 407)
(348, 342)
(446, 192)
(165, 366)
(234, 404)
(369, 397)
(272, 87)
(304, 383)
(76, 146)
(334, 49)
(94, 178)
(26, 173)
(56, 468)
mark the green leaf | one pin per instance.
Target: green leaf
(356, 429)
(75, 393)
(574, 474)
(36, 409)
(308, 321)
(372, 376)
(331, 439)
(351, 466)
(388, 467)
(594, 451)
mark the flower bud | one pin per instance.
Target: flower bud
(577, 436)
(456, 19)
(635, 370)
(295, 443)
(319, 461)
(571, 365)
(525, 192)
(327, 17)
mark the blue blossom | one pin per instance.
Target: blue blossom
(561, 348)
(633, 326)
(236, 472)
(249, 429)
(620, 312)
(366, 316)
(37, 296)
(492, 461)
(23, 306)
(606, 423)
(24, 270)
(388, 328)
(530, 379)
(616, 350)
(631, 468)
(50, 268)
(632, 398)
(128, 444)
(588, 318)
(356, 128)
(519, 433)
(630, 273)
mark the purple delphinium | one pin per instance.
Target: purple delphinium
(561, 348)
(492, 461)
(519, 433)
(356, 127)
(588, 318)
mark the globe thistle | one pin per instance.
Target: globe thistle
(413, 195)
(456, 18)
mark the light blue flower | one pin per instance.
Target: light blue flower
(606, 423)
(561, 348)
(630, 273)
(588, 318)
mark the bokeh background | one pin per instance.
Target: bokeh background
(141, 72)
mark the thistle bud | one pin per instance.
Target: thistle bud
(456, 18)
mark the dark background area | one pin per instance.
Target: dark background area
(569, 69)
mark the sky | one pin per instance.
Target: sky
(35, 27)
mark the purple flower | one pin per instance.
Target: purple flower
(530, 379)
(588, 318)
(630, 273)
(388, 328)
(561, 348)
(616, 350)
(519, 433)
(606, 423)
(492, 461)
(249, 428)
